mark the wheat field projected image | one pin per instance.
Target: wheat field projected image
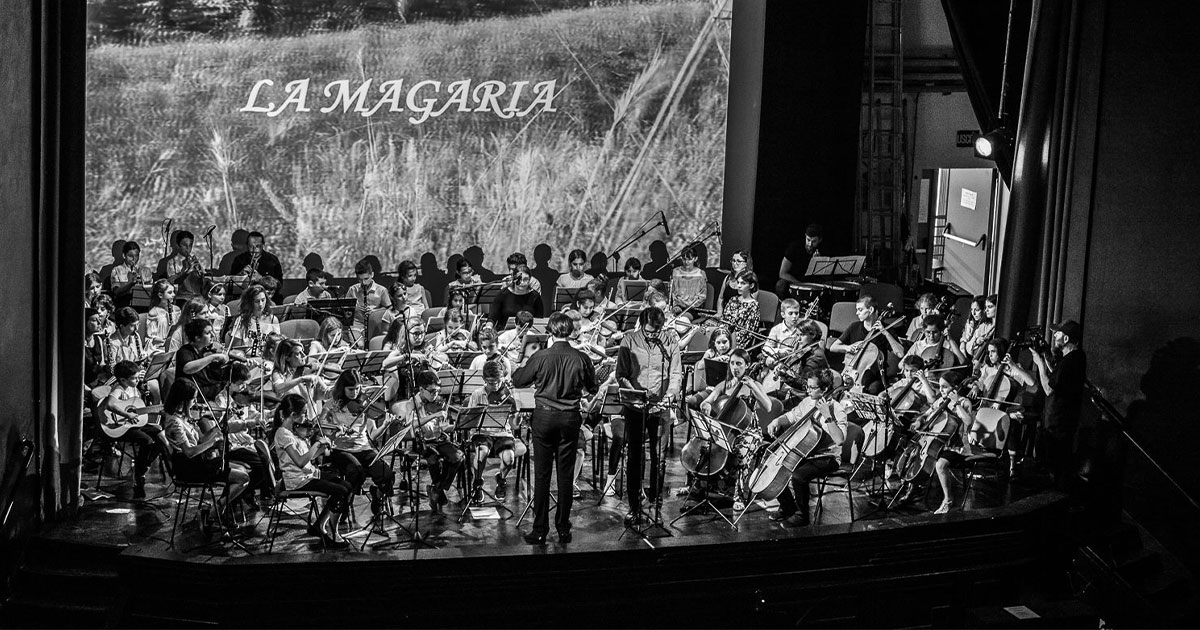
(569, 127)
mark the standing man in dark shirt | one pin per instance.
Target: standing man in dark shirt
(561, 374)
(256, 262)
(646, 361)
(1064, 385)
(796, 257)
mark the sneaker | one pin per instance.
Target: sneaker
(576, 493)
(477, 494)
(501, 486)
(944, 507)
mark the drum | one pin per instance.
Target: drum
(805, 291)
(844, 290)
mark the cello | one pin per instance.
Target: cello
(786, 453)
(857, 363)
(936, 430)
(733, 416)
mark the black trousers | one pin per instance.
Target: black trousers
(338, 490)
(555, 442)
(355, 466)
(145, 448)
(255, 466)
(444, 459)
(797, 497)
(1056, 452)
(640, 428)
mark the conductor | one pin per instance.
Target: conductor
(561, 375)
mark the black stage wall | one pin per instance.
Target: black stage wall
(807, 145)
(1140, 299)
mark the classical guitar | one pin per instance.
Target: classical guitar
(115, 425)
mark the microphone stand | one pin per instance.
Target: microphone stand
(223, 424)
(712, 229)
(642, 231)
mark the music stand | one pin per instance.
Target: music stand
(627, 315)
(452, 382)
(139, 297)
(690, 357)
(640, 399)
(415, 537)
(835, 265)
(158, 363)
(461, 359)
(368, 362)
(635, 290)
(711, 433)
(342, 308)
(474, 419)
(715, 371)
(563, 295)
(487, 294)
(524, 397)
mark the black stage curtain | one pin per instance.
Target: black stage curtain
(40, 248)
(807, 161)
(1043, 268)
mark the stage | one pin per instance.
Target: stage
(706, 573)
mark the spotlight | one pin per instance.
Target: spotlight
(987, 144)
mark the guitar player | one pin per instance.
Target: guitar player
(118, 409)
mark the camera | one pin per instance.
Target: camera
(1032, 338)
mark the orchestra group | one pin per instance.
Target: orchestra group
(211, 383)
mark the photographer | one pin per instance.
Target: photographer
(1063, 383)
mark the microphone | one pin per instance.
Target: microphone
(666, 228)
(209, 231)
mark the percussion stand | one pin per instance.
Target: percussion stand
(709, 433)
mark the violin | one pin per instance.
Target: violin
(431, 426)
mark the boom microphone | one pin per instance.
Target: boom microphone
(209, 231)
(666, 228)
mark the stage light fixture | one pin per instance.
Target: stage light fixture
(987, 144)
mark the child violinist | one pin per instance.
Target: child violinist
(347, 416)
(296, 465)
(494, 440)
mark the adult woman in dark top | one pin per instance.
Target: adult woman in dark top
(516, 298)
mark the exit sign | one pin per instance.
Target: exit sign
(965, 138)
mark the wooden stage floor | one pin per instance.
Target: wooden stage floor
(144, 527)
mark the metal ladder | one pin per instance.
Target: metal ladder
(880, 193)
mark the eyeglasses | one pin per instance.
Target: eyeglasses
(813, 388)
